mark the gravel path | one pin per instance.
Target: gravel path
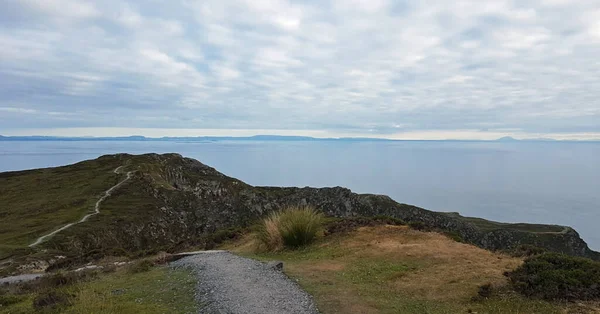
(231, 284)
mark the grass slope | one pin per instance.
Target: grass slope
(488, 225)
(160, 290)
(394, 269)
(36, 202)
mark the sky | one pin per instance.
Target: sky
(435, 69)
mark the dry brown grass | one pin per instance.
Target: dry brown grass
(455, 270)
(395, 269)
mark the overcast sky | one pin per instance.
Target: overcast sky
(396, 69)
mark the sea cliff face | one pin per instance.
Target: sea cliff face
(171, 201)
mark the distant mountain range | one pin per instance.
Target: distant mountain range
(191, 139)
(254, 138)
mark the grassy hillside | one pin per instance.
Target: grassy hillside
(36, 202)
(395, 269)
(157, 290)
(488, 225)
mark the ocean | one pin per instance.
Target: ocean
(536, 182)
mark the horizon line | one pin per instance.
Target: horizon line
(280, 137)
(406, 135)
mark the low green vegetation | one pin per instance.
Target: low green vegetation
(132, 289)
(292, 227)
(526, 250)
(345, 225)
(558, 277)
(488, 225)
(140, 266)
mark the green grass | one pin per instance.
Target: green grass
(36, 202)
(40, 201)
(374, 272)
(159, 290)
(487, 225)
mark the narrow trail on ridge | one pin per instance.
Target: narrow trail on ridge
(107, 193)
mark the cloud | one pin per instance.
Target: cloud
(73, 9)
(330, 67)
(17, 110)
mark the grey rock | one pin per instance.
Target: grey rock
(20, 278)
(277, 265)
(117, 292)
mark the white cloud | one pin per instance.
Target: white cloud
(129, 18)
(17, 110)
(458, 79)
(358, 67)
(63, 8)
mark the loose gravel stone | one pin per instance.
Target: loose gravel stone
(231, 284)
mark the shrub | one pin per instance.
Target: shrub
(293, 227)
(140, 266)
(162, 258)
(454, 236)
(6, 300)
(213, 240)
(485, 291)
(51, 299)
(58, 279)
(111, 268)
(420, 226)
(226, 234)
(554, 276)
(527, 250)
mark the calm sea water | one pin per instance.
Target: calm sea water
(556, 183)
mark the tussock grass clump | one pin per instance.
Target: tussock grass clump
(292, 227)
(140, 266)
(420, 226)
(485, 291)
(268, 232)
(555, 276)
(52, 299)
(66, 278)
